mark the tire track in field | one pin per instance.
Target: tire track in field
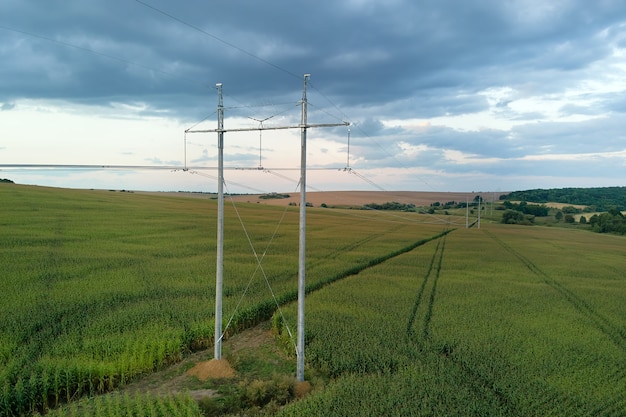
(336, 253)
(481, 385)
(420, 292)
(435, 264)
(613, 332)
(431, 300)
(347, 248)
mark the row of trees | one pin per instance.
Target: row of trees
(517, 217)
(596, 198)
(461, 204)
(390, 205)
(539, 210)
(612, 221)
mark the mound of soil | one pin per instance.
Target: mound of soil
(302, 388)
(214, 369)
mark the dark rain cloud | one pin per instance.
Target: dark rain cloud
(361, 51)
(370, 61)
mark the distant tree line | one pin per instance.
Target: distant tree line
(517, 217)
(597, 198)
(450, 204)
(6, 180)
(273, 196)
(390, 205)
(612, 221)
(539, 210)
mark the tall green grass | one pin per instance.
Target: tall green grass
(137, 405)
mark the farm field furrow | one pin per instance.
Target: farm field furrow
(519, 322)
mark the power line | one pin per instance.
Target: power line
(258, 58)
(96, 167)
(363, 177)
(155, 167)
(197, 123)
(231, 182)
(133, 63)
(242, 50)
(217, 38)
(357, 125)
(259, 266)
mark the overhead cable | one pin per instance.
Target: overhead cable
(217, 38)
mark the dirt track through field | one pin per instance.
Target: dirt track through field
(480, 384)
(434, 269)
(336, 253)
(433, 291)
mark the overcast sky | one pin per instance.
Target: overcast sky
(442, 95)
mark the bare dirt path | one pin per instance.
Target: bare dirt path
(189, 374)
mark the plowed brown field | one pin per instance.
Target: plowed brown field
(359, 198)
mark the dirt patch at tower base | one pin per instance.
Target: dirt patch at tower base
(214, 369)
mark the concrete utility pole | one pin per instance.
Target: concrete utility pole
(479, 210)
(219, 269)
(303, 126)
(302, 238)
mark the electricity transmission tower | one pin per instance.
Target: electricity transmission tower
(303, 126)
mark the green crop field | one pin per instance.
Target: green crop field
(501, 321)
(404, 315)
(100, 287)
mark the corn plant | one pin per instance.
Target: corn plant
(482, 322)
(113, 285)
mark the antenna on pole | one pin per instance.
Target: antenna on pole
(219, 270)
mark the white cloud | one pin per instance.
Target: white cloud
(457, 93)
(587, 157)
